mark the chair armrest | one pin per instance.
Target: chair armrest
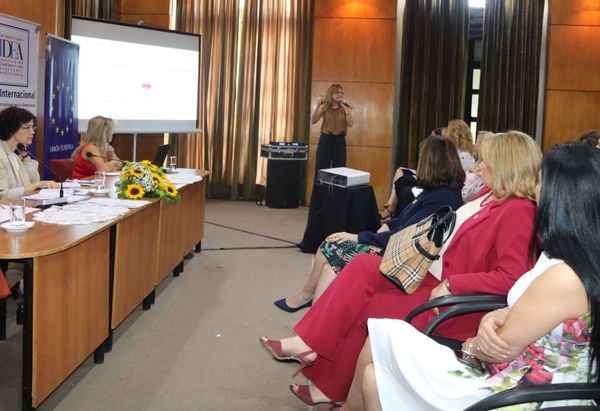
(456, 299)
(462, 308)
(538, 393)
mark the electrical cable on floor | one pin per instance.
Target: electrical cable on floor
(293, 245)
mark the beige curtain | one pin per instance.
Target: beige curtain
(255, 87)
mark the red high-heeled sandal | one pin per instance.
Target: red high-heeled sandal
(303, 394)
(274, 347)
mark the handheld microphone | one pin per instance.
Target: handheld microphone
(90, 155)
(344, 103)
(48, 202)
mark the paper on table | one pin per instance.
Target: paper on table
(50, 193)
(80, 182)
(183, 178)
(71, 184)
(75, 198)
(114, 202)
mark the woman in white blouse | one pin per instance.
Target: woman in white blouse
(18, 176)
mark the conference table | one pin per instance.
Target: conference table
(82, 281)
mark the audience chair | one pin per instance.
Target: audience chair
(63, 167)
(463, 304)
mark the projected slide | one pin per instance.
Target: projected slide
(143, 78)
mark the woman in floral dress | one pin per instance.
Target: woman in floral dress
(440, 178)
(549, 333)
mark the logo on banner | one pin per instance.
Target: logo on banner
(62, 96)
(14, 46)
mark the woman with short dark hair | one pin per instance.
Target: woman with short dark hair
(18, 176)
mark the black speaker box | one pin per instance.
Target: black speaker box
(283, 183)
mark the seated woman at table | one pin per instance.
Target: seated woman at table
(18, 176)
(440, 176)
(95, 152)
(489, 249)
(549, 333)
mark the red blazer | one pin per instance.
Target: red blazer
(492, 254)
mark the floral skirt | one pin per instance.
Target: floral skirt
(338, 255)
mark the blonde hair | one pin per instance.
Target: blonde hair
(513, 159)
(98, 131)
(460, 134)
(334, 88)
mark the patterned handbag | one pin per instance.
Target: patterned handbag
(411, 251)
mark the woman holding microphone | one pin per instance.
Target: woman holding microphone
(337, 118)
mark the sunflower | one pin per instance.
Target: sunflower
(157, 179)
(137, 172)
(134, 191)
(149, 166)
(171, 189)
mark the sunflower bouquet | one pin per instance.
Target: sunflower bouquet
(144, 179)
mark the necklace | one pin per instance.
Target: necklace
(487, 199)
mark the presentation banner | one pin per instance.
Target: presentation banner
(60, 104)
(19, 49)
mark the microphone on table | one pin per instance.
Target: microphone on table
(345, 103)
(45, 203)
(90, 155)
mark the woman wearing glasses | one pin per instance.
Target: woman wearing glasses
(337, 117)
(18, 176)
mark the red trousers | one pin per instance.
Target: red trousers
(4, 289)
(336, 325)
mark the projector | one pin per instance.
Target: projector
(343, 177)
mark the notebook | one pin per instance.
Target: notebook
(161, 155)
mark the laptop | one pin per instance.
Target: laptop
(161, 154)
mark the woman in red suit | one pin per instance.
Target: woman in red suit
(489, 250)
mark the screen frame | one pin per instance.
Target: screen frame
(144, 35)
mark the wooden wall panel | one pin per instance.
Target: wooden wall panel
(37, 11)
(354, 44)
(43, 12)
(575, 12)
(381, 9)
(569, 114)
(571, 44)
(352, 52)
(572, 99)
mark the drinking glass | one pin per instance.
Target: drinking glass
(99, 180)
(16, 206)
(172, 162)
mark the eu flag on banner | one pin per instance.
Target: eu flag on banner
(60, 103)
